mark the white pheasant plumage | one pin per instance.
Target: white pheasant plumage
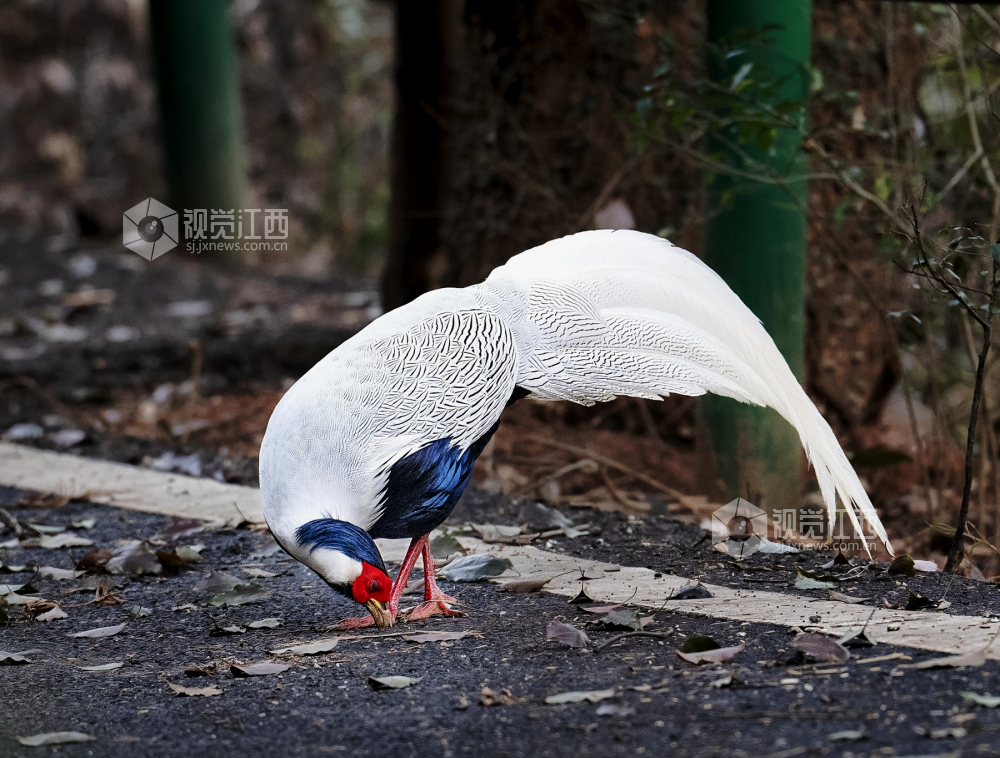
(381, 434)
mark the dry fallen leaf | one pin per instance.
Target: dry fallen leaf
(693, 592)
(987, 701)
(567, 634)
(809, 580)
(180, 528)
(218, 582)
(55, 738)
(716, 655)
(94, 560)
(312, 648)
(821, 648)
(977, 658)
(391, 682)
(58, 574)
(265, 624)
(491, 533)
(490, 697)
(952, 732)
(848, 735)
(593, 696)
(619, 710)
(583, 596)
(66, 539)
(474, 568)
(241, 594)
(524, 585)
(846, 598)
(259, 669)
(258, 573)
(103, 667)
(12, 659)
(53, 615)
(136, 559)
(194, 691)
(917, 602)
(104, 631)
(434, 636)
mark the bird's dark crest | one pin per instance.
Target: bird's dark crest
(351, 540)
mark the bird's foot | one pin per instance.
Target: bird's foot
(432, 608)
(437, 596)
(355, 623)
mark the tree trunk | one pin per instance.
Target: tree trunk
(425, 32)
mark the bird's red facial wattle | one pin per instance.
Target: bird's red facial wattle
(372, 589)
(372, 583)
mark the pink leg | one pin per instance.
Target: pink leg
(435, 601)
(398, 586)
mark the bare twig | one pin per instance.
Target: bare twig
(680, 497)
(619, 637)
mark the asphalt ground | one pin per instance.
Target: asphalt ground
(776, 704)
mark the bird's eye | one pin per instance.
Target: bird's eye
(374, 587)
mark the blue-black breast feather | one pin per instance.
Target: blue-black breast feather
(424, 486)
(351, 540)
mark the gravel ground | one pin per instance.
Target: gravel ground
(323, 704)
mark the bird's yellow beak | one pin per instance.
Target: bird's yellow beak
(383, 619)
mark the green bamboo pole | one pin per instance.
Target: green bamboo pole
(755, 238)
(199, 96)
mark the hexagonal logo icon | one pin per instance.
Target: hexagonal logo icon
(150, 229)
(738, 528)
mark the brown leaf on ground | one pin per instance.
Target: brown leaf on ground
(241, 594)
(180, 528)
(524, 585)
(434, 636)
(490, 697)
(718, 655)
(216, 582)
(567, 634)
(312, 648)
(135, 559)
(194, 691)
(264, 668)
(821, 648)
(94, 560)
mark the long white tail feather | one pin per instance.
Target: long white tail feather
(625, 313)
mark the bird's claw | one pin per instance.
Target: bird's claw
(355, 623)
(432, 608)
